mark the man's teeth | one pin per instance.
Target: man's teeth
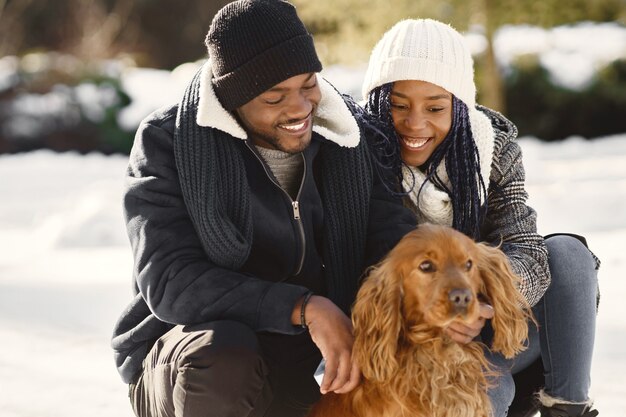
(415, 143)
(294, 127)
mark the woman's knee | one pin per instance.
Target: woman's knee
(567, 244)
(571, 263)
(501, 393)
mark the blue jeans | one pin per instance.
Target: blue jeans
(567, 321)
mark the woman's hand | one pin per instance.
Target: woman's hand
(466, 332)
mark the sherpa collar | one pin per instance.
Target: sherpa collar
(333, 119)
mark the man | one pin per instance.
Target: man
(252, 209)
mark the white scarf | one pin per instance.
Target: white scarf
(434, 205)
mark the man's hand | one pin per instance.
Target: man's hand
(331, 331)
(465, 333)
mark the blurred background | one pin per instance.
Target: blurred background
(68, 76)
(78, 76)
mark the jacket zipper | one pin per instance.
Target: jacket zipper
(294, 204)
(296, 216)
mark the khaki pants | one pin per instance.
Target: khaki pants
(224, 369)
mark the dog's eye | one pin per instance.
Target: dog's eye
(468, 265)
(427, 266)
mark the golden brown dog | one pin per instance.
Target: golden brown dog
(434, 276)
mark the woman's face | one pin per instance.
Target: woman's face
(422, 117)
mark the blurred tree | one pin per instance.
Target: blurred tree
(98, 27)
(492, 14)
(11, 29)
(347, 30)
(550, 112)
(166, 33)
(173, 32)
(158, 33)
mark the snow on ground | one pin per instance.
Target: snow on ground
(65, 269)
(580, 186)
(64, 277)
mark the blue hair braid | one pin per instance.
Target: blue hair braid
(458, 151)
(385, 155)
(385, 141)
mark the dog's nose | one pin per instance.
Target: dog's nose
(460, 298)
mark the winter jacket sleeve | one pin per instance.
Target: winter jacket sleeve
(511, 223)
(172, 272)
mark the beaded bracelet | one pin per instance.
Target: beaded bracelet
(302, 307)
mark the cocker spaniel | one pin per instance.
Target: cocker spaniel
(434, 276)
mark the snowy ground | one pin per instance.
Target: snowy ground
(65, 270)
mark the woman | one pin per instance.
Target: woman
(459, 165)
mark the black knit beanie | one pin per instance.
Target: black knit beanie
(254, 45)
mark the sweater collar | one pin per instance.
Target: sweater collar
(333, 119)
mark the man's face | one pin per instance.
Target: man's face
(282, 117)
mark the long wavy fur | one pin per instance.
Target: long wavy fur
(500, 287)
(409, 366)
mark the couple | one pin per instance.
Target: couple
(254, 205)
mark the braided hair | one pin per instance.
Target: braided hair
(385, 139)
(467, 190)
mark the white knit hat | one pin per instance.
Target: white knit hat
(424, 50)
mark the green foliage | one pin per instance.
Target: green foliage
(541, 109)
(54, 101)
(157, 33)
(170, 33)
(346, 30)
(165, 33)
(111, 138)
(548, 13)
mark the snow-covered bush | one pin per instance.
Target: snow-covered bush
(49, 100)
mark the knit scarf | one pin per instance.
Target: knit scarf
(216, 192)
(434, 205)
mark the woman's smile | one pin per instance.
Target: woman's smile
(415, 143)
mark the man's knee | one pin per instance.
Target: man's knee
(223, 355)
(213, 366)
(201, 342)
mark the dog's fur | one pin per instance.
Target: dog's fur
(409, 366)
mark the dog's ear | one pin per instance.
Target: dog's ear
(511, 311)
(377, 320)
